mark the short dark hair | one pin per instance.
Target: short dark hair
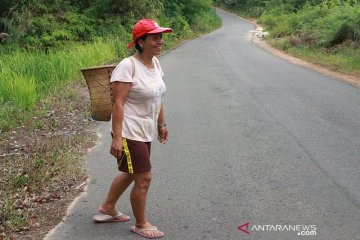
(137, 46)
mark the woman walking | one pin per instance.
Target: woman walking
(138, 113)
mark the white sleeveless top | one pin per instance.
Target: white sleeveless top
(143, 103)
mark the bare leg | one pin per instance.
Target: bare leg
(138, 202)
(117, 188)
(138, 196)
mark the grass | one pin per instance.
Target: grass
(344, 59)
(25, 77)
(341, 62)
(18, 89)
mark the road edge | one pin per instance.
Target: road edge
(83, 193)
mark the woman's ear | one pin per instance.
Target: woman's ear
(141, 42)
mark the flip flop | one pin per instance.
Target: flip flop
(103, 218)
(143, 232)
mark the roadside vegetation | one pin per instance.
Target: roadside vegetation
(325, 32)
(45, 125)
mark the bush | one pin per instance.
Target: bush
(205, 21)
(179, 25)
(280, 26)
(38, 24)
(17, 23)
(317, 25)
(337, 26)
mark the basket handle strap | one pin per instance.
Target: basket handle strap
(157, 63)
(132, 75)
(133, 67)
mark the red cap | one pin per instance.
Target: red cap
(144, 27)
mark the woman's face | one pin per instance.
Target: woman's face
(152, 45)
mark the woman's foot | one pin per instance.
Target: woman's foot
(107, 210)
(147, 231)
(114, 214)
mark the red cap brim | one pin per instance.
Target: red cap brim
(131, 44)
(160, 30)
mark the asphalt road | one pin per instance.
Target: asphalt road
(253, 139)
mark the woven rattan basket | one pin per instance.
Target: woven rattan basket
(98, 82)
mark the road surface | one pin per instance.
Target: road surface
(255, 142)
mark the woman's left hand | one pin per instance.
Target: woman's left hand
(163, 135)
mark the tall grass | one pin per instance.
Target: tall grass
(25, 76)
(19, 89)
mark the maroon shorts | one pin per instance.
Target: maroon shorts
(135, 156)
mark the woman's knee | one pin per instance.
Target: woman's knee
(143, 180)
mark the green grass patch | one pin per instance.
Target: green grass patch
(344, 58)
(345, 61)
(27, 76)
(18, 89)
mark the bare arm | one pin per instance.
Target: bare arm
(120, 91)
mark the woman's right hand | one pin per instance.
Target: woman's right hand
(116, 147)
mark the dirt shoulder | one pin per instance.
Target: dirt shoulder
(350, 79)
(42, 164)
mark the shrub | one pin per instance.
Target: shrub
(323, 25)
(337, 26)
(205, 21)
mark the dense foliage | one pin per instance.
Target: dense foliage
(45, 24)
